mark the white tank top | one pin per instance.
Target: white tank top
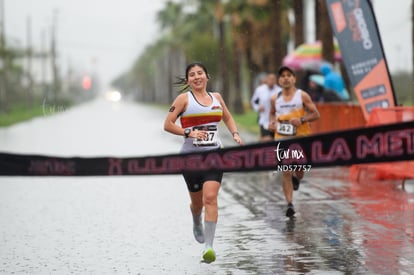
(205, 117)
(284, 108)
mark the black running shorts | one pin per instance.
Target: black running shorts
(196, 180)
(264, 132)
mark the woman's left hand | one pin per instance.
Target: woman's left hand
(238, 139)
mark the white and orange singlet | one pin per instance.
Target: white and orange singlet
(285, 111)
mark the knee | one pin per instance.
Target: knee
(210, 198)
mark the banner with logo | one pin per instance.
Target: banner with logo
(355, 27)
(385, 143)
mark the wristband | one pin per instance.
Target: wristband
(235, 133)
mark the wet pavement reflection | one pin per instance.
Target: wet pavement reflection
(340, 226)
(142, 225)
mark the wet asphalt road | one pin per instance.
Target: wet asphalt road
(142, 225)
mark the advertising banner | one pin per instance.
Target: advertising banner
(387, 143)
(355, 27)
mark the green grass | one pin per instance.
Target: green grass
(19, 113)
(247, 122)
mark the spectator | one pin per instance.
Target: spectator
(317, 91)
(315, 87)
(260, 102)
(334, 82)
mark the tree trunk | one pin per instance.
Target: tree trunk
(253, 68)
(278, 49)
(318, 22)
(170, 57)
(298, 29)
(326, 34)
(219, 16)
(238, 99)
(223, 63)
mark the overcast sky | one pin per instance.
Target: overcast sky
(106, 36)
(102, 36)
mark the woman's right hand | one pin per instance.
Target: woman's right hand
(198, 134)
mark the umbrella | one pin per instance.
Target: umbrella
(318, 79)
(308, 56)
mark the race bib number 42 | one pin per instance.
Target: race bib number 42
(286, 129)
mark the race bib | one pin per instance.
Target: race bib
(210, 139)
(285, 128)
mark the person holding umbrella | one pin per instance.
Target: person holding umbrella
(334, 82)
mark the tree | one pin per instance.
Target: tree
(278, 29)
(219, 17)
(253, 40)
(298, 28)
(170, 16)
(238, 45)
(170, 19)
(325, 33)
(262, 32)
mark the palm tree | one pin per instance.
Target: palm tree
(170, 19)
(277, 34)
(237, 11)
(181, 28)
(298, 28)
(257, 39)
(219, 17)
(325, 32)
(259, 33)
(170, 16)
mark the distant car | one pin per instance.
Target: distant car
(113, 96)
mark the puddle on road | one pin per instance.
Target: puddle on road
(336, 231)
(340, 228)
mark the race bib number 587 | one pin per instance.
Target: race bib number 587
(210, 139)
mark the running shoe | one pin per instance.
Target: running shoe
(198, 232)
(290, 212)
(209, 255)
(295, 183)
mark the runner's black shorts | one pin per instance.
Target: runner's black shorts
(195, 180)
(264, 132)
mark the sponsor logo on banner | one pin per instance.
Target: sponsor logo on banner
(356, 30)
(291, 159)
(386, 143)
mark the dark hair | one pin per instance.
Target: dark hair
(285, 68)
(182, 81)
